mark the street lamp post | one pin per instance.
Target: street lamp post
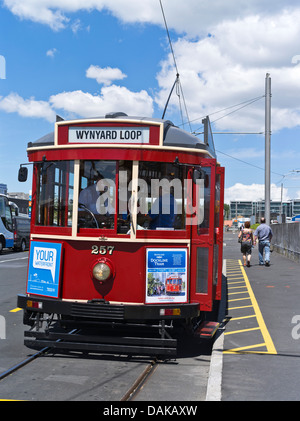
(267, 147)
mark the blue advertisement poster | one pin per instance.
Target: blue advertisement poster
(166, 275)
(44, 269)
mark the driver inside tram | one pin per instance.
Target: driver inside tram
(96, 201)
(90, 197)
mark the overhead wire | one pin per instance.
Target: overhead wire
(244, 104)
(248, 163)
(179, 93)
(179, 89)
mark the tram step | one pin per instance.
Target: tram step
(206, 330)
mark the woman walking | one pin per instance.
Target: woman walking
(246, 240)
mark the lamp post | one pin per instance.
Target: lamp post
(267, 147)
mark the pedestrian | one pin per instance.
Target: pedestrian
(264, 235)
(246, 236)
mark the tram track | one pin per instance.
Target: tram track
(28, 360)
(133, 391)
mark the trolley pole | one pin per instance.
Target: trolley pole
(267, 148)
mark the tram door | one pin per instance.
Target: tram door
(206, 235)
(219, 224)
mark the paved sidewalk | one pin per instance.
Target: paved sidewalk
(262, 339)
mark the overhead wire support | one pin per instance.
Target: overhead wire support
(177, 81)
(170, 42)
(168, 100)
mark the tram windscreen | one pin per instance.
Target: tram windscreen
(97, 202)
(54, 201)
(108, 200)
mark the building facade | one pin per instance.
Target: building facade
(248, 209)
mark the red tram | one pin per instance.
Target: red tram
(118, 205)
(174, 284)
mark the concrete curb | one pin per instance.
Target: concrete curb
(214, 384)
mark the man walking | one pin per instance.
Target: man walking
(264, 235)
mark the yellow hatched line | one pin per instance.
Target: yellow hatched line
(239, 299)
(241, 331)
(244, 348)
(239, 292)
(242, 317)
(232, 279)
(268, 340)
(237, 282)
(241, 286)
(236, 308)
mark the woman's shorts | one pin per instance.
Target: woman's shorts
(246, 248)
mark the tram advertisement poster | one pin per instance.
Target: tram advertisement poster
(166, 275)
(44, 269)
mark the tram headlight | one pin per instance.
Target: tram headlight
(102, 271)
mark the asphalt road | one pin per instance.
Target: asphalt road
(262, 338)
(101, 378)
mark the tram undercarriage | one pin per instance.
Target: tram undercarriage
(78, 331)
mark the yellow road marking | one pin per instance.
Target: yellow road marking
(243, 348)
(242, 317)
(236, 308)
(238, 282)
(235, 293)
(239, 299)
(268, 340)
(15, 310)
(241, 331)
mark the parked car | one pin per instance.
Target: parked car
(21, 226)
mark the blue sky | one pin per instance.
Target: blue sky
(84, 59)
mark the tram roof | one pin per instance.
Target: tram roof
(172, 135)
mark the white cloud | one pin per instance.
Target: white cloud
(83, 104)
(254, 192)
(13, 103)
(104, 75)
(223, 57)
(112, 98)
(230, 66)
(193, 17)
(51, 52)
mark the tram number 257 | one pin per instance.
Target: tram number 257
(102, 250)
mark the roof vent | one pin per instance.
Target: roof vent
(116, 115)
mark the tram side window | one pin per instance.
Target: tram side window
(55, 185)
(204, 202)
(161, 196)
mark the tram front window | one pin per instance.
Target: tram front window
(97, 202)
(55, 184)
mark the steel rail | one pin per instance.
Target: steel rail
(29, 359)
(137, 385)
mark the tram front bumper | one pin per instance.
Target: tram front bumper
(103, 310)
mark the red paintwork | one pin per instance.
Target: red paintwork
(128, 259)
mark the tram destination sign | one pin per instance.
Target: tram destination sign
(139, 135)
